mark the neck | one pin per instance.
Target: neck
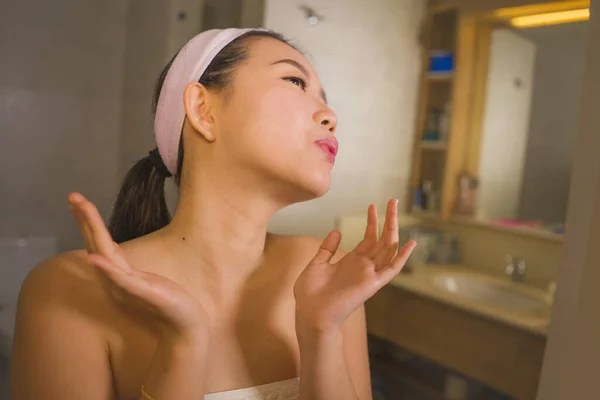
(220, 224)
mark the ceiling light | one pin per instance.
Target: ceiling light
(553, 18)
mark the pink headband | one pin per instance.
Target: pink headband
(188, 66)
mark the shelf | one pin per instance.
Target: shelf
(427, 215)
(440, 76)
(433, 145)
(438, 93)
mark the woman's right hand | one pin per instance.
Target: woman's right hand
(170, 307)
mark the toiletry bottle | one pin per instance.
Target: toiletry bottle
(466, 195)
(432, 133)
(428, 196)
(444, 123)
(417, 203)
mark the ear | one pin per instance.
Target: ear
(198, 109)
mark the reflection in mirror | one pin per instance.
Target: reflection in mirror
(532, 104)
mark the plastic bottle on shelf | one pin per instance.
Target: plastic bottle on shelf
(417, 201)
(430, 198)
(444, 123)
(466, 195)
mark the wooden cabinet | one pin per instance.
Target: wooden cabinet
(500, 356)
(462, 27)
(441, 161)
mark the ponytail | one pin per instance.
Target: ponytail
(141, 207)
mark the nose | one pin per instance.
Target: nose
(326, 118)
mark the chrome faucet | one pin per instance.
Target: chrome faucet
(515, 268)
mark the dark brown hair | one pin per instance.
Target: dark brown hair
(140, 207)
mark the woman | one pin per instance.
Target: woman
(210, 302)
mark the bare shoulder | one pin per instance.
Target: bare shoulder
(62, 320)
(68, 270)
(65, 284)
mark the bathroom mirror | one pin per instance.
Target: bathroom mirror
(528, 124)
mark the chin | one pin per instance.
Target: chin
(303, 184)
(299, 192)
(314, 188)
(320, 191)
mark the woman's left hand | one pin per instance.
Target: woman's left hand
(327, 294)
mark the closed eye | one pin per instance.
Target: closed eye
(301, 83)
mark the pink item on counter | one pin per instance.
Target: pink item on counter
(518, 223)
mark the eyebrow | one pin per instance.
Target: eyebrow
(302, 69)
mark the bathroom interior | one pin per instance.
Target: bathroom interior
(466, 111)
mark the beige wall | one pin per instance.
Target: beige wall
(505, 124)
(367, 55)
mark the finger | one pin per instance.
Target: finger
(101, 237)
(75, 198)
(328, 247)
(119, 257)
(385, 256)
(390, 227)
(389, 233)
(375, 250)
(371, 232)
(396, 265)
(86, 234)
(83, 228)
(389, 237)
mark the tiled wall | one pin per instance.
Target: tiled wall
(155, 33)
(146, 55)
(368, 58)
(60, 109)
(76, 83)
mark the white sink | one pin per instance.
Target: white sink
(497, 293)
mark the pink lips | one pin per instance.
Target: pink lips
(329, 146)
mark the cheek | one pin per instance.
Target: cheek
(283, 114)
(276, 125)
(273, 133)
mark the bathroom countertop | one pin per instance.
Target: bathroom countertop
(420, 281)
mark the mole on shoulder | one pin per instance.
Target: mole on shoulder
(183, 238)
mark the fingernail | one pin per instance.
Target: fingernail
(75, 198)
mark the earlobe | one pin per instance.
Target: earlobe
(196, 99)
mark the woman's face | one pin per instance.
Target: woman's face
(275, 123)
